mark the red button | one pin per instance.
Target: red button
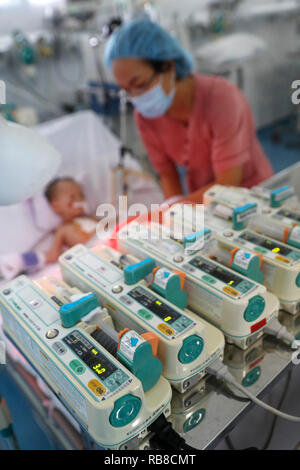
(258, 325)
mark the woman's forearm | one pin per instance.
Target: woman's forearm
(197, 196)
(170, 183)
(232, 177)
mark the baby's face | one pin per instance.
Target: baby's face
(65, 203)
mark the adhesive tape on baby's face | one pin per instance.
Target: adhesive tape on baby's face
(80, 205)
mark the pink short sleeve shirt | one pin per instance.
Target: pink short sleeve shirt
(220, 136)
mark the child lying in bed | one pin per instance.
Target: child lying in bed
(66, 199)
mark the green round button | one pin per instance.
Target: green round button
(194, 420)
(209, 279)
(145, 314)
(252, 377)
(191, 348)
(125, 410)
(77, 367)
(298, 280)
(255, 308)
(260, 250)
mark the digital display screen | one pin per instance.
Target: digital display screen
(156, 306)
(90, 355)
(266, 243)
(216, 271)
(289, 214)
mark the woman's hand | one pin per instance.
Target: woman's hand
(231, 177)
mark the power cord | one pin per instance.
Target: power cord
(220, 371)
(275, 419)
(276, 329)
(223, 389)
(165, 437)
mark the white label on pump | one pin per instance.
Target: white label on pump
(279, 196)
(246, 214)
(295, 234)
(129, 343)
(162, 277)
(242, 259)
(233, 198)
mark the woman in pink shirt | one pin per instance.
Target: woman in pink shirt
(203, 123)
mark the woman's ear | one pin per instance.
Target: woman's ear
(169, 66)
(172, 65)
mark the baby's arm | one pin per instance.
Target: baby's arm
(67, 235)
(57, 246)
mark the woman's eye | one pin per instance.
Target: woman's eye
(139, 86)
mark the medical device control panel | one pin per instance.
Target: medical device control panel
(237, 305)
(280, 262)
(255, 255)
(99, 391)
(281, 223)
(186, 344)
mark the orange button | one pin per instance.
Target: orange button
(97, 388)
(230, 291)
(166, 329)
(153, 339)
(282, 259)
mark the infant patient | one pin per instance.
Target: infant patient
(66, 199)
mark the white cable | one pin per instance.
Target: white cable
(274, 328)
(219, 370)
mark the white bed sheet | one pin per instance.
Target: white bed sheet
(89, 152)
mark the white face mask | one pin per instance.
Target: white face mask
(155, 102)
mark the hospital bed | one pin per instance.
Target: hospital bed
(90, 154)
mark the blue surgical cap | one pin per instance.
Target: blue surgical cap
(145, 40)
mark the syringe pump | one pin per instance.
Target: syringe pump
(255, 255)
(240, 307)
(233, 197)
(282, 224)
(234, 204)
(50, 327)
(283, 196)
(186, 344)
(280, 263)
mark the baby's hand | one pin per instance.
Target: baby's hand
(52, 256)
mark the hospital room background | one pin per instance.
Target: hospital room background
(56, 82)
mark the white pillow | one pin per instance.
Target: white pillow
(44, 218)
